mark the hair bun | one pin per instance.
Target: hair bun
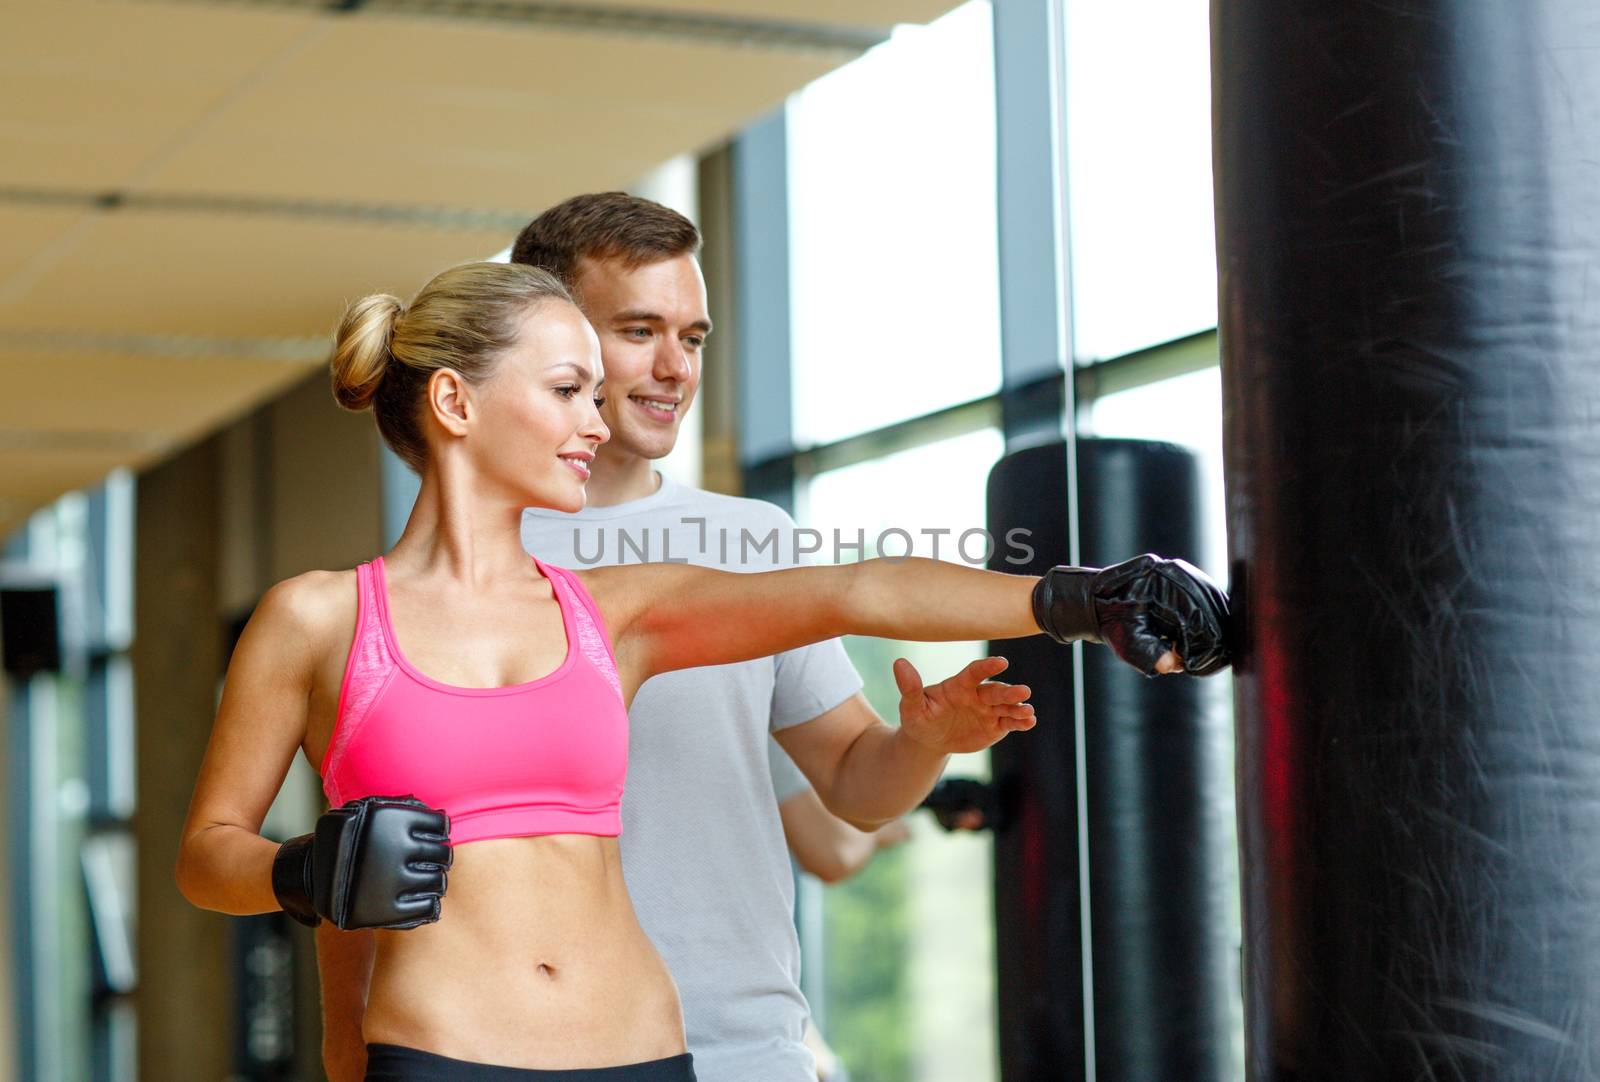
(361, 349)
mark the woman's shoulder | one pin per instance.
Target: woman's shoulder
(618, 590)
(598, 581)
(313, 604)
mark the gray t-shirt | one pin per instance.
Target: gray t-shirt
(702, 846)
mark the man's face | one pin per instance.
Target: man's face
(652, 324)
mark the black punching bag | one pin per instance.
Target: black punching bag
(1161, 862)
(1038, 934)
(1158, 800)
(1409, 248)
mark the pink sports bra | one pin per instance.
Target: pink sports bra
(545, 757)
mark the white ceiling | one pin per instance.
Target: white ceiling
(191, 191)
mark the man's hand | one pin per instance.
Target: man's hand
(967, 712)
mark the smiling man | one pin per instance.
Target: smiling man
(702, 843)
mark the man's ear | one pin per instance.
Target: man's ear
(450, 400)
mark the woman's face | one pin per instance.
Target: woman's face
(538, 423)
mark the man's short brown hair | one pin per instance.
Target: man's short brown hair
(604, 225)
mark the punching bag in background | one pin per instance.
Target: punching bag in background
(1409, 246)
(1160, 802)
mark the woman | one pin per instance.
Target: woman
(467, 704)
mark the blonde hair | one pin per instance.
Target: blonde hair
(385, 351)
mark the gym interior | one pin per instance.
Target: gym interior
(1307, 293)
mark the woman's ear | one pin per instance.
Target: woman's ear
(450, 401)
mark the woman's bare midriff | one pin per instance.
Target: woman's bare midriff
(536, 961)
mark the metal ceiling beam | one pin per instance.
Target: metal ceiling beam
(610, 19)
(166, 346)
(423, 217)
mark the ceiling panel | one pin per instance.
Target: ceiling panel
(146, 272)
(29, 233)
(101, 400)
(92, 93)
(386, 110)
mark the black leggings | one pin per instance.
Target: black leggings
(396, 1063)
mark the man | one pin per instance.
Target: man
(702, 844)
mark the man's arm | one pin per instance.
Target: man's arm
(344, 964)
(864, 771)
(868, 773)
(825, 845)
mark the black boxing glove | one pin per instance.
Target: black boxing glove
(1141, 608)
(376, 862)
(951, 799)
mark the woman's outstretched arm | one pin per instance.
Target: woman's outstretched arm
(926, 600)
(678, 616)
(1154, 613)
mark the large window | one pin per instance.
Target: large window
(1139, 173)
(890, 218)
(909, 971)
(894, 302)
(1185, 410)
(895, 294)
